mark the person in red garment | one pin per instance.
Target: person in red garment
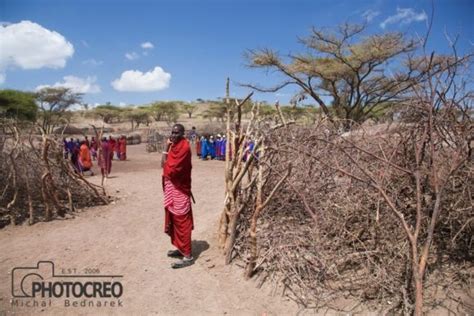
(103, 160)
(112, 146)
(122, 145)
(177, 196)
(85, 161)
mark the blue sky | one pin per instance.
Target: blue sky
(136, 52)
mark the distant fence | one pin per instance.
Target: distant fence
(134, 139)
(154, 140)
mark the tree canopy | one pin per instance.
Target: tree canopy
(137, 116)
(165, 111)
(216, 110)
(53, 103)
(189, 109)
(106, 112)
(352, 73)
(18, 105)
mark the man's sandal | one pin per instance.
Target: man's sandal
(175, 254)
(185, 262)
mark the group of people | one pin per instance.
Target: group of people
(176, 178)
(208, 146)
(83, 152)
(214, 147)
(80, 152)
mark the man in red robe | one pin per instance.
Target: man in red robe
(122, 145)
(177, 196)
(112, 146)
(104, 161)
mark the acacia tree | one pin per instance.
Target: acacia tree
(189, 109)
(165, 111)
(53, 103)
(354, 71)
(106, 112)
(137, 116)
(18, 104)
(216, 110)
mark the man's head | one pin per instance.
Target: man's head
(177, 132)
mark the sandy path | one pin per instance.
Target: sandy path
(126, 238)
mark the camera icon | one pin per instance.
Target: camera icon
(23, 278)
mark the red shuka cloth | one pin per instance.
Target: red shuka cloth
(198, 147)
(177, 169)
(178, 166)
(176, 201)
(179, 228)
(85, 158)
(112, 143)
(104, 157)
(122, 145)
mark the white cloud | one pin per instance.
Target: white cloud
(2, 78)
(369, 15)
(132, 56)
(122, 104)
(92, 62)
(137, 81)
(404, 16)
(147, 45)
(76, 84)
(30, 46)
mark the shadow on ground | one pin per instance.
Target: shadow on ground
(199, 246)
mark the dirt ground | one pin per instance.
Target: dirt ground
(126, 238)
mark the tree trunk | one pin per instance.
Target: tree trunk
(231, 234)
(224, 223)
(253, 222)
(223, 228)
(253, 244)
(30, 201)
(419, 295)
(417, 276)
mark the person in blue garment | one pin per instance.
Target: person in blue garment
(211, 147)
(204, 150)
